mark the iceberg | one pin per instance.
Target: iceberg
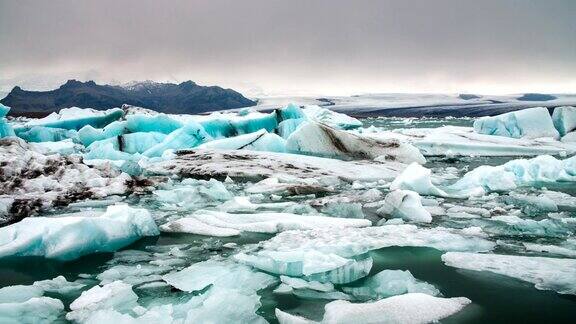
(189, 136)
(257, 141)
(418, 179)
(206, 222)
(405, 204)
(529, 123)
(194, 193)
(545, 273)
(75, 118)
(287, 127)
(331, 118)
(88, 134)
(564, 119)
(387, 283)
(67, 238)
(408, 308)
(4, 110)
(6, 129)
(131, 143)
(318, 139)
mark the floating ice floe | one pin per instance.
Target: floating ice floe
(70, 237)
(318, 139)
(219, 274)
(257, 141)
(529, 123)
(33, 310)
(387, 283)
(405, 204)
(410, 308)
(545, 273)
(309, 289)
(117, 296)
(206, 222)
(192, 193)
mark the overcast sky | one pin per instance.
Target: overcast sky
(295, 46)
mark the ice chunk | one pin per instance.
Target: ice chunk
(191, 135)
(564, 119)
(309, 289)
(107, 151)
(70, 237)
(88, 134)
(408, 308)
(76, 118)
(405, 204)
(417, 178)
(544, 273)
(388, 283)
(34, 310)
(568, 248)
(133, 274)
(194, 193)
(220, 223)
(568, 138)
(318, 139)
(530, 123)
(331, 118)
(19, 293)
(130, 143)
(512, 225)
(257, 141)
(344, 210)
(116, 295)
(227, 306)
(45, 134)
(219, 274)
(291, 111)
(58, 285)
(159, 123)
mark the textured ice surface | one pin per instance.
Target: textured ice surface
(88, 134)
(192, 193)
(515, 226)
(5, 128)
(159, 123)
(331, 118)
(417, 178)
(530, 123)
(545, 273)
(250, 164)
(321, 140)
(309, 289)
(409, 308)
(564, 119)
(257, 141)
(4, 110)
(37, 134)
(407, 205)
(219, 274)
(388, 283)
(206, 222)
(70, 237)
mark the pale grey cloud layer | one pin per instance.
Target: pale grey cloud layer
(328, 46)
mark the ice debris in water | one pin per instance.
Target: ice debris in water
(564, 119)
(388, 283)
(511, 225)
(530, 123)
(116, 295)
(70, 237)
(405, 204)
(318, 139)
(545, 273)
(408, 308)
(309, 289)
(206, 222)
(310, 253)
(485, 179)
(33, 310)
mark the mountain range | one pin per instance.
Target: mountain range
(184, 98)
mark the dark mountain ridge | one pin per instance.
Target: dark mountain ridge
(184, 98)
